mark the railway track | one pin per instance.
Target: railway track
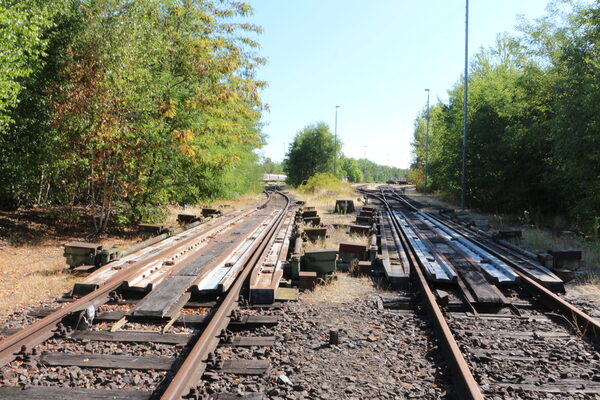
(505, 333)
(149, 326)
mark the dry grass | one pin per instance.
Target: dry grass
(541, 240)
(335, 236)
(31, 274)
(33, 269)
(588, 283)
(341, 290)
(324, 203)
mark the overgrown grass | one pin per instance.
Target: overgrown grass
(343, 289)
(335, 236)
(325, 185)
(537, 240)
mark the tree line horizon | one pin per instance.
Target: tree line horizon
(533, 132)
(315, 150)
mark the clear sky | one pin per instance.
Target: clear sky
(374, 59)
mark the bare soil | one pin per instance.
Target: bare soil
(32, 266)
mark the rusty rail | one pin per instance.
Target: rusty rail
(463, 377)
(193, 367)
(583, 323)
(44, 328)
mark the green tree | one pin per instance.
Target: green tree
(123, 106)
(351, 170)
(154, 88)
(311, 152)
(33, 35)
(534, 130)
(271, 167)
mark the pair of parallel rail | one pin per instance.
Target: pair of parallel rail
(420, 257)
(189, 371)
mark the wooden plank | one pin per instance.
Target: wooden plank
(127, 337)
(109, 316)
(248, 341)
(484, 291)
(9, 331)
(238, 396)
(107, 361)
(245, 367)
(196, 320)
(500, 317)
(512, 355)
(69, 393)
(202, 304)
(558, 387)
(517, 335)
(395, 262)
(255, 320)
(212, 252)
(161, 300)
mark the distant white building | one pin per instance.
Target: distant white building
(274, 177)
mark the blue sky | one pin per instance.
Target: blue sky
(373, 59)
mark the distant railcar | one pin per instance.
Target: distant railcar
(274, 177)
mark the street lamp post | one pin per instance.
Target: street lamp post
(365, 164)
(466, 104)
(335, 144)
(427, 144)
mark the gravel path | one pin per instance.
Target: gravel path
(382, 354)
(500, 355)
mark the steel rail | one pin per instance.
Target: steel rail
(463, 377)
(43, 329)
(583, 323)
(190, 372)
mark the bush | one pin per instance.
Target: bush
(324, 183)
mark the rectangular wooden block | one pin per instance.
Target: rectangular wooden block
(360, 229)
(249, 341)
(351, 251)
(245, 367)
(70, 393)
(107, 361)
(308, 280)
(129, 337)
(365, 267)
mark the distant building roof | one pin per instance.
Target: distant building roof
(274, 177)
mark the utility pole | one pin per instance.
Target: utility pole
(335, 144)
(427, 144)
(365, 164)
(466, 105)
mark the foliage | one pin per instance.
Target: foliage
(271, 167)
(533, 121)
(349, 168)
(22, 45)
(312, 151)
(142, 103)
(373, 172)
